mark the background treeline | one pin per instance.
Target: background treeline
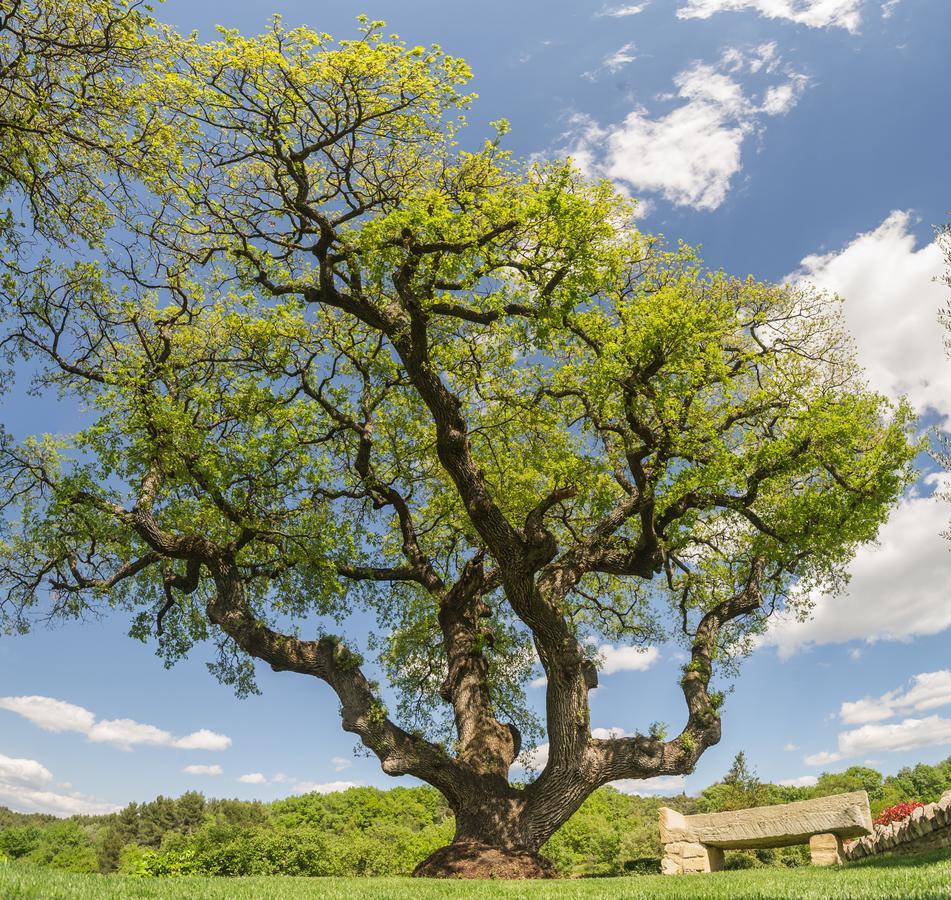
(367, 831)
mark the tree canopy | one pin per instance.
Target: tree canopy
(65, 112)
(332, 358)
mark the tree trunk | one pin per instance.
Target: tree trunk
(467, 858)
(497, 837)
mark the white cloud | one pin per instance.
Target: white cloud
(59, 716)
(692, 154)
(23, 772)
(891, 308)
(925, 691)
(533, 760)
(929, 690)
(626, 659)
(300, 787)
(124, 733)
(340, 763)
(252, 778)
(607, 734)
(891, 303)
(619, 12)
(49, 714)
(620, 57)
(867, 710)
(802, 781)
(312, 787)
(202, 770)
(780, 99)
(821, 759)
(661, 784)
(909, 734)
(24, 787)
(898, 587)
(814, 13)
(203, 739)
(613, 659)
(790, 748)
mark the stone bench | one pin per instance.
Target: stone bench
(696, 843)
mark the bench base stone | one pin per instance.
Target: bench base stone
(825, 849)
(687, 857)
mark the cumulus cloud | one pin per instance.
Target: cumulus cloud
(691, 155)
(814, 13)
(643, 787)
(613, 659)
(606, 734)
(909, 734)
(898, 587)
(891, 306)
(25, 787)
(789, 748)
(533, 760)
(23, 772)
(802, 781)
(312, 787)
(202, 770)
(821, 759)
(626, 659)
(59, 716)
(252, 778)
(299, 786)
(203, 739)
(926, 691)
(49, 714)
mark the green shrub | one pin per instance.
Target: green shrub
(19, 840)
(644, 865)
(740, 859)
(84, 860)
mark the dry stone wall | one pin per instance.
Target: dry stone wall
(927, 828)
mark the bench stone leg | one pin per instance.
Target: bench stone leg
(825, 849)
(686, 857)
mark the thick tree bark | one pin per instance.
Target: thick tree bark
(497, 836)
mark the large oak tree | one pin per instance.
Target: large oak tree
(335, 365)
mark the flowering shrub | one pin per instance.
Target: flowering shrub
(897, 812)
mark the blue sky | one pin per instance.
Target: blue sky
(790, 138)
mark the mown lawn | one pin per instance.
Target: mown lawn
(928, 875)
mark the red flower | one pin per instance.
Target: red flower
(897, 812)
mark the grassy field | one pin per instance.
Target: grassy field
(905, 877)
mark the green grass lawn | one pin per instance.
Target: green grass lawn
(927, 875)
